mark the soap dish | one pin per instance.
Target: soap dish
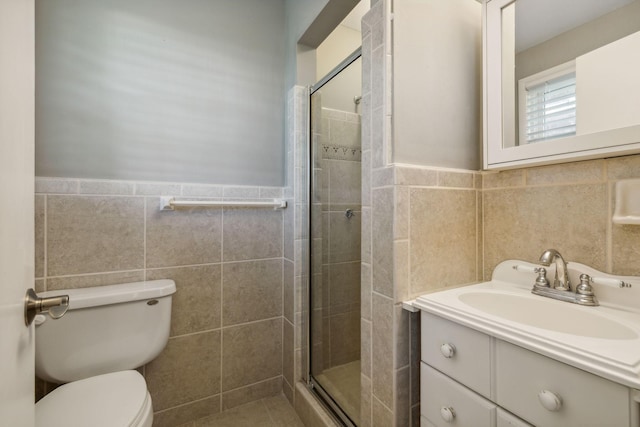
(627, 202)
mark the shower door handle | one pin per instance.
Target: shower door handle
(56, 306)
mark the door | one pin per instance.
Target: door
(16, 210)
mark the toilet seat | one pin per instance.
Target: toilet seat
(118, 399)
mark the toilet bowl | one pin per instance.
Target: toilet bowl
(107, 332)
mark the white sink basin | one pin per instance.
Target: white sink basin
(545, 313)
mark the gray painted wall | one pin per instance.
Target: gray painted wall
(189, 91)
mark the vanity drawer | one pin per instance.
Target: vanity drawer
(506, 419)
(468, 360)
(437, 391)
(584, 399)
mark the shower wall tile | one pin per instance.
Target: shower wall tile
(214, 191)
(241, 192)
(190, 365)
(382, 338)
(455, 179)
(196, 304)
(251, 353)
(182, 237)
(289, 291)
(288, 350)
(251, 234)
(588, 171)
(39, 231)
(94, 233)
(252, 290)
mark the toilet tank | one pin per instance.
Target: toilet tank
(106, 329)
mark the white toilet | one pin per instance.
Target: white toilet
(94, 348)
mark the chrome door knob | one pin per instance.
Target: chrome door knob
(56, 306)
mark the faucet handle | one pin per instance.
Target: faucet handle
(541, 280)
(605, 281)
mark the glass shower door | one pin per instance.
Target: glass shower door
(335, 241)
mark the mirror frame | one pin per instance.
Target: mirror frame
(609, 143)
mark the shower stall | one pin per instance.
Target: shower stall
(335, 217)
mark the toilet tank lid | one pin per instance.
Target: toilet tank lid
(114, 294)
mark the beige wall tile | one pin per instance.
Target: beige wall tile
(416, 176)
(39, 235)
(401, 270)
(366, 178)
(56, 185)
(443, 238)
(401, 220)
(288, 352)
(87, 234)
(157, 189)
(623, 167)
(382, 241)
(344, 185)
(403, 404)
(252, 234)
(202, 191)
(365, 347)
(567, 173)
(365, 401)
(251, 353)
(365, 238)
(92, 280)
(188, 369)
(186, 413)
(251, 393)
(455, 179)
(382, 365)
(382, 416)
(288, 282)
(511, 178)
(196, 303)
(382, 177)
(252, 290)
(182, 237)
(522, 223)
(365, 290)
(625, 250)
(105, 187)
(401, 336)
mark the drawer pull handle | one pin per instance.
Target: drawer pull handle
(448, 350)
(447, 413)
(550, 400)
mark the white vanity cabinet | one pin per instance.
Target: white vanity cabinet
(472, 379)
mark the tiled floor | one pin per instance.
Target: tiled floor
(343, 384)
(270, 412)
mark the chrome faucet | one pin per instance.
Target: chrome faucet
(561, 280)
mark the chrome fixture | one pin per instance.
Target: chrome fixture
(357, 99)
(33, 304)
(561, 280)
(349, 213)
(561, 289)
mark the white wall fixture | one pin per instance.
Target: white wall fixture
(627, 202)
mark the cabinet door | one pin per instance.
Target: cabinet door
(444, 402)
(468, 360)
(529, 385)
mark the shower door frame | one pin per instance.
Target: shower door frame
(313, 385)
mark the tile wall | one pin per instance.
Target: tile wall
(567, 207)
(232, 268)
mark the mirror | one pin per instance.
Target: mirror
(560, 80)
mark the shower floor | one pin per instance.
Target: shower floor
(343, 384)
(270, 412)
